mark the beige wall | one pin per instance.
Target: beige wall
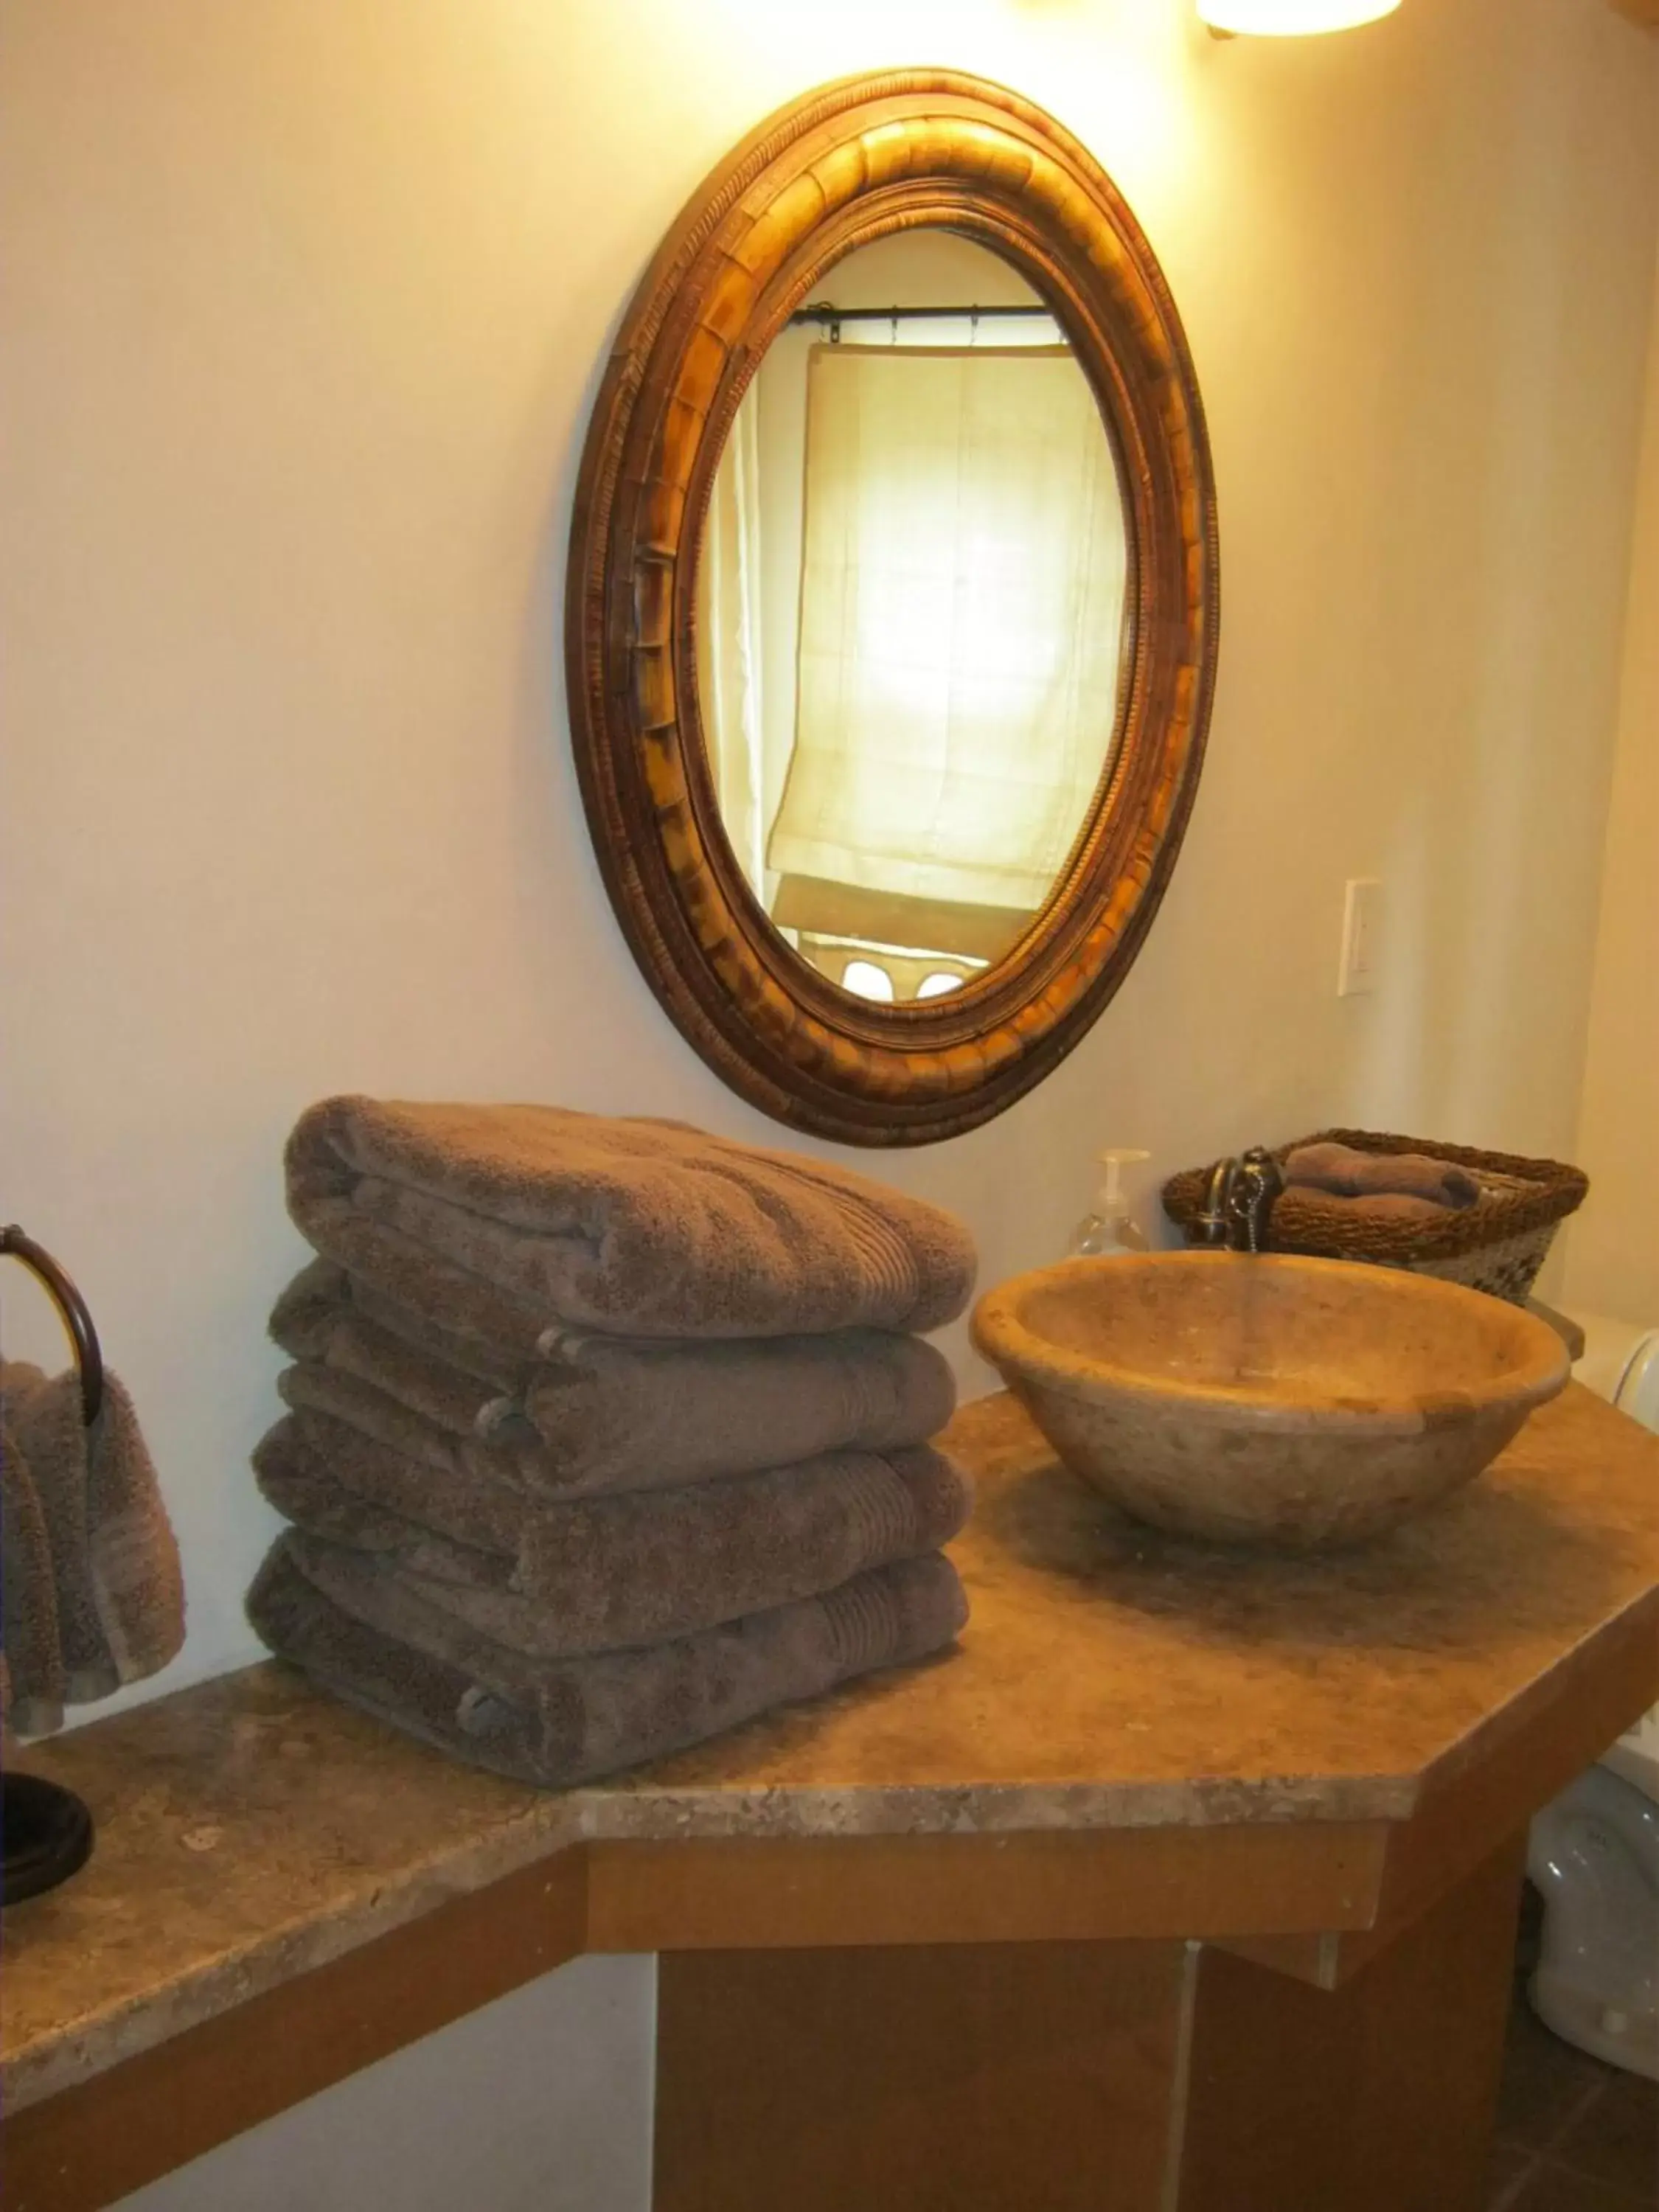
(304, 308)
(1612, 1249)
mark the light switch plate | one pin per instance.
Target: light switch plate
(1362, 936)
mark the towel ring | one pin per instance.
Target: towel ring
(72, 1311)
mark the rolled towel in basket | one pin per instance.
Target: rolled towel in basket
(1373, 1206)
(598, 1574)
(598, 1412)
(1345, 1172)
(117, 1590)
(557, 1722)
(500, 1219)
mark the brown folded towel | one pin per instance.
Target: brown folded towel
(600, 1413)
(1346, 1172)
(497, 1220)
(513, 1454)
(34, 1680)
(462, 1382)
(119, 1592)
(598, 1574)
(553, 1723)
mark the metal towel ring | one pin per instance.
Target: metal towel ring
(72, 1310)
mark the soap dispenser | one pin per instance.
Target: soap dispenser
(1109, 1228)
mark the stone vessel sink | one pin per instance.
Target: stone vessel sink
(1266, 1399)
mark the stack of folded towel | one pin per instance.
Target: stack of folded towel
(603, 1435)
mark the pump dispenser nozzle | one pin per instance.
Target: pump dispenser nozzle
(1109, 1228)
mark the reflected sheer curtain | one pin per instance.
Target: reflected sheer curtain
(729, 654)
(961, 623)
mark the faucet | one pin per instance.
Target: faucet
(1239, 1201)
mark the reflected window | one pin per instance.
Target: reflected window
(912, 592)
(866, 980)
(961, 600)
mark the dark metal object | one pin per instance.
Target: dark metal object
(45, 1831)
(1239, 1202)
(71, 1307)
(48, 1836)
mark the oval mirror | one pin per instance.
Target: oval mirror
(892, 608)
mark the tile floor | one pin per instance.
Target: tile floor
(1573, 2134)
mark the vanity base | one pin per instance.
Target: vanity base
(1146, 2076)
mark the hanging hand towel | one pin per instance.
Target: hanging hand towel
(119, 1592)
(33, 1678)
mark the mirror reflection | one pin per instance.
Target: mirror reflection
(912, 585)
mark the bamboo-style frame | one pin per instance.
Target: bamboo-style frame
(848, 164)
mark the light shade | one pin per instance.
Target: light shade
(1290, 19)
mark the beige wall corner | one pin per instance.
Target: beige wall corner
(1613, 1255)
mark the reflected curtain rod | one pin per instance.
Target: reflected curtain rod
(821, 312)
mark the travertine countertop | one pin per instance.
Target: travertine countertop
(249, 1830)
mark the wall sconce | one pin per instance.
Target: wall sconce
(1287, 19)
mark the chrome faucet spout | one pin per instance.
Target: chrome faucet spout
(1260, 1184)
(1213, 1225)
(1239, 1202)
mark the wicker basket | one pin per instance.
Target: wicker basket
(1496, 1245)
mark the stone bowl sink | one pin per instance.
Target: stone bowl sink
(1266, 1399)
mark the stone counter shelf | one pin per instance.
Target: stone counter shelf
(1190, 1877)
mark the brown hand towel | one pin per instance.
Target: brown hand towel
(598, 1574)
(555, 1722)
(497, 1220)
(601, 1414)
(34, 1677)
(1346, 1172)
(119, 1593)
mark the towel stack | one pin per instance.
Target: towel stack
(603, 1435)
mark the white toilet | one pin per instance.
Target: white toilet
(1594, 1852)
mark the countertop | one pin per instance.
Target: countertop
(249, 1830)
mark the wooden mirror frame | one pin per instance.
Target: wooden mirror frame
(852, 162)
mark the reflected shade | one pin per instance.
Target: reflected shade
(962, 603)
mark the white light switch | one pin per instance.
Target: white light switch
(1362, 936)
